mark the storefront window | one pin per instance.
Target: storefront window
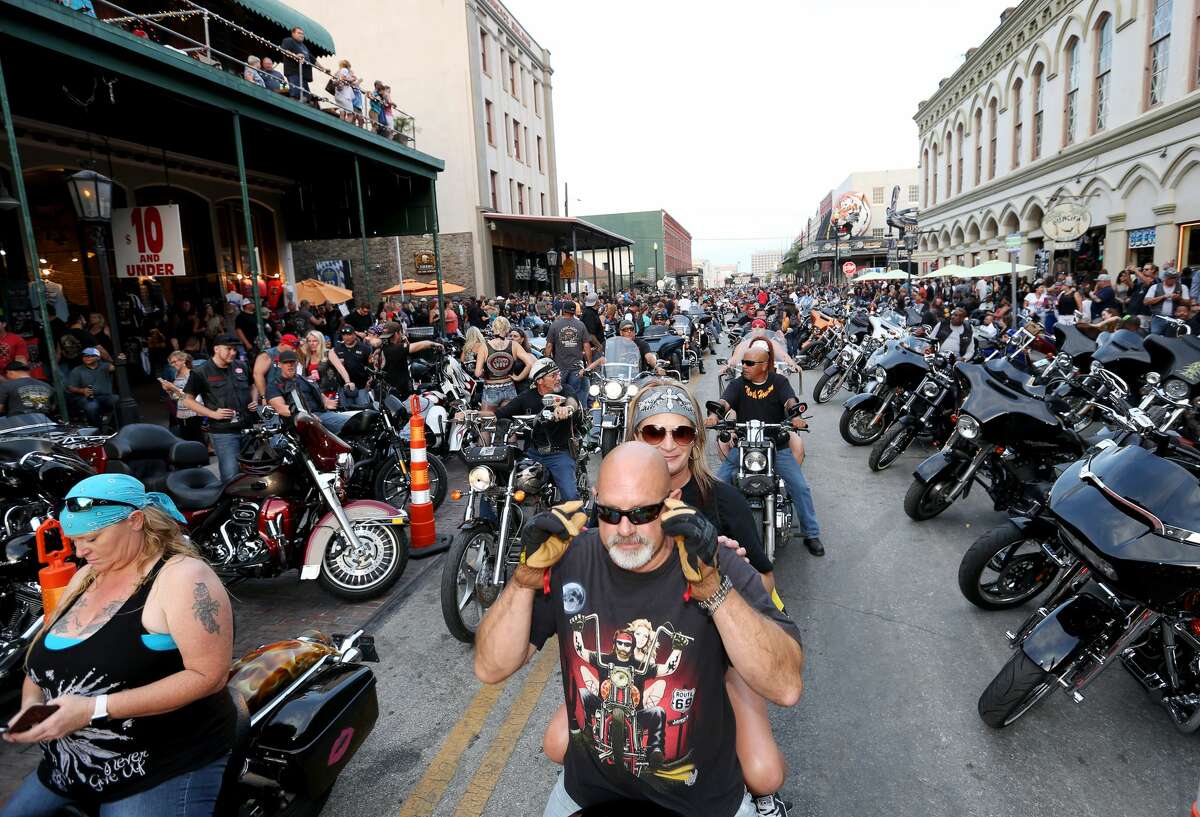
(1189, 245)
(234, 263)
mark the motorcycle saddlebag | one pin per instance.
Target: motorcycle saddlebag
(312, 736)
(499, 456)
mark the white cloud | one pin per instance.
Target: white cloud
(737, 117)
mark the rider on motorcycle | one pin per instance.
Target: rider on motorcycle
(761, 393)
(314, 402)
(550, 443)
(955, 335)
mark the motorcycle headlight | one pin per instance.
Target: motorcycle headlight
(631, 391)
(930, 390)
(1176, 389)
(480, 478)
(968, 427)
(755, 461)
(613, 389)
(594, 390)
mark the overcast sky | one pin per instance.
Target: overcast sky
(738, 117)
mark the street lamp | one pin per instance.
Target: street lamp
(656, 265)
(91, 195)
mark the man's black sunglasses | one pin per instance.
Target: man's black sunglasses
(79, 504)
(637, 516)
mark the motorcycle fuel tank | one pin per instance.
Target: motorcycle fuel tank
(256, 486)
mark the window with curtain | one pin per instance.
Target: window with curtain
(1104, 34)
(949, 167)
(992, 140)
(1071, 111)
(1037, 112)
(933, 190)
(1018, 121)
(1160, 43)
(958, 136)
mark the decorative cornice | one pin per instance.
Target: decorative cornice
(1164, 209)
(1115, 218)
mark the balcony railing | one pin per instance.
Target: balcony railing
(164, 29)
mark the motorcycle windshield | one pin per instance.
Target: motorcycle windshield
(1123, 345)
(1176, 357)
(620, 359)
(684, 323)
(893, 355)
(1148, 481)
(988, 398)
(1072, 342)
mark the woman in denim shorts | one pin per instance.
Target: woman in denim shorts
(496, 365)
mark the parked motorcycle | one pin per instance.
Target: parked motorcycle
(929, 409)
(894, 371)
(285, 511)
(848, 369)
(503, 488)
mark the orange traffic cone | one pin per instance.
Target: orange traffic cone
(422, 529)
(57, 575)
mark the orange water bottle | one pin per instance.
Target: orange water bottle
(58, 572)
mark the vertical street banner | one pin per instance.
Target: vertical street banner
(148, 241)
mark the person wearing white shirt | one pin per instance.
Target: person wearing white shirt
(1163, 297)
(955, 336)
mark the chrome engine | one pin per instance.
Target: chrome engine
(237, 542)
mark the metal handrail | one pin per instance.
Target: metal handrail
(406, 133)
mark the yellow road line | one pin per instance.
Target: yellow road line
(479, 790)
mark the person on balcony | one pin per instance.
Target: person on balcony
(298, 67)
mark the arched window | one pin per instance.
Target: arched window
(1038, 71)
(1018, 120)
(1104, 32)
(925, 178)
(933, 190)
(978, 146)
(949, 168)
(1071, 109)
(992, 139)
(958, 139)
(1160, 46)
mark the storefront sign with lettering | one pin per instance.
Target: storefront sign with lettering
(148, 241)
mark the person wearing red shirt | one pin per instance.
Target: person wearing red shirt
(12, 346)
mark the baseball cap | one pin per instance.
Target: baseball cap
(18, 366)
(289, 339)
(346, 329)
(542, 367)
(592, 300)
(91, 351)
(226, 340)
(289, 356)
(390, 328)
(1170, 273)
(568, 306)
(626, 325)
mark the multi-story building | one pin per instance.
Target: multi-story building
(1087, 109)
(661, 246)
(765, 263)
(864, 197)
(479, 87)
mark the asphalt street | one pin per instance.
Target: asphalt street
(887, 725)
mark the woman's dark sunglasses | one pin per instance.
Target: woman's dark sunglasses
(683, 435)
(78, 504)
(637, 516)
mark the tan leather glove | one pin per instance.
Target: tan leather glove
(545, 539)
(696, 542)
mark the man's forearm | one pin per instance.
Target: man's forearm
(502, 643)
(768, 658)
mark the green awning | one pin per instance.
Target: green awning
(315, 34)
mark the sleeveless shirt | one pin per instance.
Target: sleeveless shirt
(498, 366)
(108, 760)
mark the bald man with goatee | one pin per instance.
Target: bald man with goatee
(648, 714)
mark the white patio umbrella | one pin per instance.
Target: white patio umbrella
(996, 267)
(948, 271)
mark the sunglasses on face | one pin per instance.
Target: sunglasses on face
(637, 516)
(682, 435)
(79, 504)
(752, 362)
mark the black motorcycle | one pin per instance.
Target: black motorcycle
(847, 369)
(927, 410)
(670, 347)
(895, 370)
(1129, 519)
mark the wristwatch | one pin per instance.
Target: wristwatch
(714, 601)
(100, 711)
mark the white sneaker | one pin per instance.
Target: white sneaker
(769, 806)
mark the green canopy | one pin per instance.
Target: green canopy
(315, 34)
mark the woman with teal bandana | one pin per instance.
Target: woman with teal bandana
(135, 659)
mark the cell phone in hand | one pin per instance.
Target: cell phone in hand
(31, 718)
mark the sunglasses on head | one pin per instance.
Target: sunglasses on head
(637, 516)
(78, 504)
(653, 434)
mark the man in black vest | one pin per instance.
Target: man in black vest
(955, 336)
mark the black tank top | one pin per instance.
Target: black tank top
(109, 760)
(498, 366)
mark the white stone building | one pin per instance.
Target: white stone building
(478, 86)
(765, 262)
(1089, 101)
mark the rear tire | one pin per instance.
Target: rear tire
(852, 423)
(922, 501)
(1019, 685)
(1017, 577)
(888, 448)
(393, 487)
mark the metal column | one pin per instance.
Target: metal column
(31, 253)
(575, 261)
(437, 260)
(252, 251)
(362, 227)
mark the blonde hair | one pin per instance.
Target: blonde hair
(698, 466)
(179, 354)
(500, 327)
(474, 338)
(305, 355)
(162, 538)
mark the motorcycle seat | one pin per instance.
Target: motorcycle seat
(194, 488)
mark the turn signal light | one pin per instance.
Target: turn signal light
(1194, 626)
(519, 496)
(456, 495)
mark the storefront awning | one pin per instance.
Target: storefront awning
(552, 232)
(315, 34)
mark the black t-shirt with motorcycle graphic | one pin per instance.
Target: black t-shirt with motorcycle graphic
(644, 681)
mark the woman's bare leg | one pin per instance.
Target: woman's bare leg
(554, 741)
(763, 765)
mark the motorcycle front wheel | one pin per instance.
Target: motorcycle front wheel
(610, 438)
(855, 426)
(467, 590)
(1019, 685)
(925, 500)
(1004, 569)
(888, 448)
(357, 574)
(392, 483)
(828, 386)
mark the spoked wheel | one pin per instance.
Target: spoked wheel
(467, 590)
(925, 500)
(1003, 569)
(888, 448)
(368, 570)
(828, 386)
(857, 428)
(1014, 691)
(392, 483)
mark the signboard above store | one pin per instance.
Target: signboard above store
(1066, 221)
(424, 262)
(148, 242)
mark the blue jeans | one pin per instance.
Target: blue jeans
(227, 447)
(787, 467)
(333, 420)
(562, 471)
(193, 794)
(575, 383)
(1160, 327)
(93, 408)
(359, 398)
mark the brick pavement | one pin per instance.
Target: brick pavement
(267, 610)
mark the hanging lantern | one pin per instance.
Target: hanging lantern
(91, 194)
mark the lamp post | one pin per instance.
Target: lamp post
(656, 265)
(551, 263)
(91, 194)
